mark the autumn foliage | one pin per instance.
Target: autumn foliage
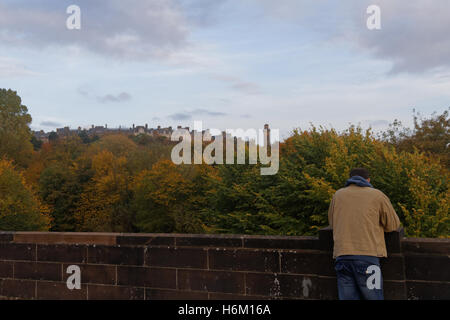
(20, 208)
(121, 183)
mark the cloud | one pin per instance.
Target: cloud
(84, 91)
(247, 87)
(12, 68)
(130, 29)
(413, 36)
(187, 115)
(180, 116)
(50, 123)
(208, 113)
(238, 84)
(203, 12)
(121, 97)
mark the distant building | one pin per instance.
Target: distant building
(103, 130)
(41, 135)
(134, 130)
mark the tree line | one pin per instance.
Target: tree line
(127, 183)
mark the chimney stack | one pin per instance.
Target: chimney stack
(267, 129)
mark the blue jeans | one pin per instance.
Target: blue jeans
(352, 275)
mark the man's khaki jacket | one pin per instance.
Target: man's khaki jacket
(359, 217)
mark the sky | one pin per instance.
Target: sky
(228, 63)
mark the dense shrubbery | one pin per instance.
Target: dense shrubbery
(20, 209)
(128, 184)
(313, 165)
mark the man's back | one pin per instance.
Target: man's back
(359, 217)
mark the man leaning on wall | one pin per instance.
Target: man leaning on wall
(359, 215)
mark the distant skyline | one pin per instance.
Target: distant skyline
(228, 63)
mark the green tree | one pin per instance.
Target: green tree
(164, 200)
(20, 209)
(60, 189)
(104, 203)
(37, 144)
(430, 135)
(84, 136)
(416, 184)
(313, 165)
(53, 137)
(15, 134)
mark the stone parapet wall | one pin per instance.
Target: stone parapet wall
(33, 265)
